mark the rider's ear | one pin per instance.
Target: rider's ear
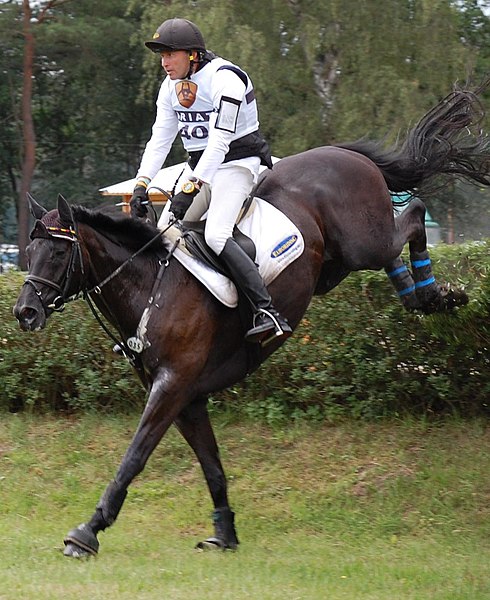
(64, 211)
(37, 211)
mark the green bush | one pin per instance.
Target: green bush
(356, 353)
(68, 365)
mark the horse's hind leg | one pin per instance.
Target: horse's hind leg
(194, 424)
(403, 282)
(420, 287)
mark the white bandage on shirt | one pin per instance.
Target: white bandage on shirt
(228, 114)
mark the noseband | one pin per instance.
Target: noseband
(58, 304)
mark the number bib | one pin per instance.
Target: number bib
(198, 110)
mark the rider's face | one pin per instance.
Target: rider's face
(176, 63)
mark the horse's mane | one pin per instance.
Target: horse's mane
(118, 227)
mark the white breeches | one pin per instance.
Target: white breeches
(222, 199)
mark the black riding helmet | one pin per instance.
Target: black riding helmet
(177, 34)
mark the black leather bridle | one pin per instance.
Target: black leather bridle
(76, 258)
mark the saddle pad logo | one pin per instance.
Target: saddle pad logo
(284, 246)
(186, 93)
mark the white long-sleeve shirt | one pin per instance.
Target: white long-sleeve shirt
(224, 110)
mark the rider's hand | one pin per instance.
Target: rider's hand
(181, 202)
(139, 202)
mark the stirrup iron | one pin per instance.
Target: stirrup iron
(279, 330)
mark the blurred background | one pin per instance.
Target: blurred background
(78, 87)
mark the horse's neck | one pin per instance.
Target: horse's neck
(102, 256)
(123, 285)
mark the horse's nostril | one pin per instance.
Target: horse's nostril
(28, 313)
(25, 314)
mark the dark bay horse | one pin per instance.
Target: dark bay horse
(339, 199)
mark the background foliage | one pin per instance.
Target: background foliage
(355, 354)
(325, 71)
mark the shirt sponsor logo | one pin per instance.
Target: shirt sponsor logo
(186, 93)
(191, 116)
(284, 246)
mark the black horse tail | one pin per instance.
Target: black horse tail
(447, 140)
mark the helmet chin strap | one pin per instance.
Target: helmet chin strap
(196, 64)
(191, 66)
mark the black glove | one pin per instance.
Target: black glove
(139, 202)
(181, 202)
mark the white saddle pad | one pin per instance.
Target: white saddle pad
(277, 240)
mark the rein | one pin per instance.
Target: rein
(98, 288)
(131, 352)
(59, 302)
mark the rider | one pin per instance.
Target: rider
(210, 102)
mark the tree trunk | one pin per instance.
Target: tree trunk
(28, 135)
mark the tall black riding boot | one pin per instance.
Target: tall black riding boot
(267, 322)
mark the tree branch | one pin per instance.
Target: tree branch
(43, 14)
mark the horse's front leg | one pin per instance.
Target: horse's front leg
(194, 424)
(162, 407)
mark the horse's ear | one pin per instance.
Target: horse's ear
(39, 231)
(37, 211)
(64, 211)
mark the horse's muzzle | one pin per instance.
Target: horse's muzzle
(29, 311)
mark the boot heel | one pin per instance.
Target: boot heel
(268, 325)
(278, 333)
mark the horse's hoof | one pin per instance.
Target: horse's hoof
(81, 542)
(214, 543)
(75, 551)
(447, 298)
(453, 297)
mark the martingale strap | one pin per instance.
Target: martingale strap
(139, 342)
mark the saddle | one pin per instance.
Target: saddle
(268, 237)
(195, 243)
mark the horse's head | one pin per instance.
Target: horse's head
(54, 264)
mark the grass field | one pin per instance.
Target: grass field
(352, 511)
